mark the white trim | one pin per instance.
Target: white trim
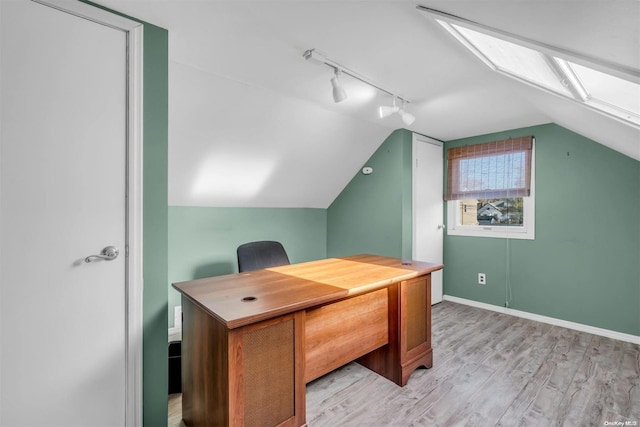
(91, 13)
(134, 252)
(133, 412)
(418, 138)
(550, 320)
(427, 226)
(423, 138)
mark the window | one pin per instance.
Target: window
(610, 89)
(512, 59)
(603, 91)
(490, 189)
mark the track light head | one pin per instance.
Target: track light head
(386, 111)
(407, 118)
(339, 94)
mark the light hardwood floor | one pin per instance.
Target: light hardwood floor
(488, 369)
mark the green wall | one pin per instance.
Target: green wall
(584, 265)
(373, 212)
(203, 240)
(155, 240)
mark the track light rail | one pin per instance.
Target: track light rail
(315, 56)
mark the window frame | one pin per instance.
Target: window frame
(525, 232)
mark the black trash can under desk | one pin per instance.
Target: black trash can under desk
(175, 367)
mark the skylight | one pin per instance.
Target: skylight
(513, 59)
(608, 90)
(550, 69)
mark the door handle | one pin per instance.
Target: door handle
(109, 254)
(441, 226)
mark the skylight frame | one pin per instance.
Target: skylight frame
(558, 59)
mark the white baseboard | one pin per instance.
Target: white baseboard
(550, 320)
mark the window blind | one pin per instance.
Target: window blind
(490, 170)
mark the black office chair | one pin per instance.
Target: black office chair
(259, 255)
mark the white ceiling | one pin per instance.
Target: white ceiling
(253, 124)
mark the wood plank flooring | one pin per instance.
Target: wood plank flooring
(489, 369)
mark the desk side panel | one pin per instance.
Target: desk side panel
(415, 325)
(266, 373)
(205, 368)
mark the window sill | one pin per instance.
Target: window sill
(492, 232)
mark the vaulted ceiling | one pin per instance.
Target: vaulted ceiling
(254, 124)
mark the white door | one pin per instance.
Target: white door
(63, 181)
(428, 224)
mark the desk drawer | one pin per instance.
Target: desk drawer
(336, 334)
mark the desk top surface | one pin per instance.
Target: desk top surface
(244, 298)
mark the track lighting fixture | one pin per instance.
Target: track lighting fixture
(339, 94)
(386, 111)
(407, 118)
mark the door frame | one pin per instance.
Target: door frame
(134, 200)
(422, 139)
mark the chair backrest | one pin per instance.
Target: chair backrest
(259, 255)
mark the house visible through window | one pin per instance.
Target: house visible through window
(495, 212)
(490, 189)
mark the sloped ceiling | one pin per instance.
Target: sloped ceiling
(253, 124)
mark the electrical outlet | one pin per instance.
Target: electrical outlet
(482, 279)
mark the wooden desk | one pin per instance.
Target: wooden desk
(251, 341)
